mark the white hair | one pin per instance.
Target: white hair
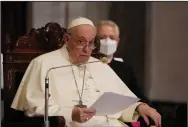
(109, 22)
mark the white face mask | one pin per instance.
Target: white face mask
(108, 46)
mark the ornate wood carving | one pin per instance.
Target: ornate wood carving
(44, 39)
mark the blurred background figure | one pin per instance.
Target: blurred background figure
(107, 42)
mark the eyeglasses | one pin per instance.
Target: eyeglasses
(83, 44)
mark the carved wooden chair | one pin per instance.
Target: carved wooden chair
(16, 59)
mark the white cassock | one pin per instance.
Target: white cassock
(99, 78)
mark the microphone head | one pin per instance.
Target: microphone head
(104, 59)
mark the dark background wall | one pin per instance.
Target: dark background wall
(13, 21)
(166, 57)
(130, 17)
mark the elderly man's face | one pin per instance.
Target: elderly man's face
(81, 42)
(107, 31)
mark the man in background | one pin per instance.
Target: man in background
(108, 39)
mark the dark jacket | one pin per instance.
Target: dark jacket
(127, 75)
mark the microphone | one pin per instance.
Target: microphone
(46, 121)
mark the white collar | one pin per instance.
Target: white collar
(111, 57)
(118, 59)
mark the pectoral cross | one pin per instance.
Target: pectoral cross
(80, 104)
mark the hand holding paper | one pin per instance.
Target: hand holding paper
(110, 103)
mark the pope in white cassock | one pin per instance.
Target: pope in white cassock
(69, 85)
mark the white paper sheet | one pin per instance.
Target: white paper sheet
(110, 103)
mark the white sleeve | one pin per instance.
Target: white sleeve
(31, 94)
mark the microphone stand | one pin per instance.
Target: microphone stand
(46, 120)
